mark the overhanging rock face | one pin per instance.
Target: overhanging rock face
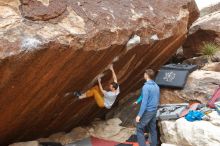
(49, 48)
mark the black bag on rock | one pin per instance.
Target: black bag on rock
(174, 75)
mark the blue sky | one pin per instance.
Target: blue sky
(204, 3)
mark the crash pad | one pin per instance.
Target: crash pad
(174, 75)
(190, 108)
(93, 141)
(130, 144)
(132, 141)
(83, 142)
(189, 68)
(101, 142)
(170, 111)
(215, 97)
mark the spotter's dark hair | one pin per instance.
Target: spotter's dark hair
(150, 73)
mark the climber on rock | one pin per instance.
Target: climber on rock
(102, 97)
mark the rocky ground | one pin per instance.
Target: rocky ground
(173, 133)
(109, 130)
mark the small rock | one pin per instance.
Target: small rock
(215, 66)
(199, 61)
(29, 143)
(111, 130)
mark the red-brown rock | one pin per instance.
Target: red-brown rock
(205, 29)
(35, 10)
(73, 42)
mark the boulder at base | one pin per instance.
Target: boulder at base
(198, 133)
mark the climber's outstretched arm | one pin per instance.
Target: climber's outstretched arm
(113, 73)
(100, 85)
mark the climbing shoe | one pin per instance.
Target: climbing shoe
(77, 93)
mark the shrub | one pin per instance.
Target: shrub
(209, 49)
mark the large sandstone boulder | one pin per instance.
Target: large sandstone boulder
(205, 29)
(51, 47)
(198, 133)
